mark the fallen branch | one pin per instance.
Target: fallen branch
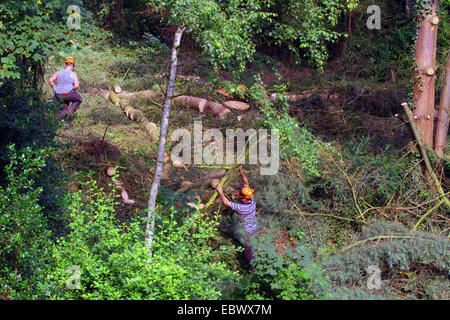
(424, 154)
(361, 214)
(427, 214)
(376, 238)
(319, 214)
(203, 180)
(123, 192)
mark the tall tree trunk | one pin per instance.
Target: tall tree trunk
(443, 119)
(162, 139)
(424, 73)
(119, 11)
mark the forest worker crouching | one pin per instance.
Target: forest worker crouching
(65, 89)
(247, 210)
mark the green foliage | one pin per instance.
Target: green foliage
(229, 31)
(32, 30)
(26, 120)
(307, 26)
(115, 263)
(405, 252)
(381, 174)
(290, 276)
(24, 237)
(278, 192)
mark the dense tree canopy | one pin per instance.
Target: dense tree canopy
(31, 30)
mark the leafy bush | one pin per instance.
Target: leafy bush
(24, 236)
(26, 120)
(31, 31)
(291, 275)
(114, 262)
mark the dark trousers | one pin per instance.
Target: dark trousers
(248, 249)
(70, 102)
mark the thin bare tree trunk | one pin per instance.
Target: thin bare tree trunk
(162, 139)
(443, 119)
(424, 73)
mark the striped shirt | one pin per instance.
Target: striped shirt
(248, 214)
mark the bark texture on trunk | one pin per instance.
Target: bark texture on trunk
(119, 11)
(162, 139)
(424, 73)
(444, 108)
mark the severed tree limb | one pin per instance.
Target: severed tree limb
(162, 140)
(357, 243)
(424, 154)
(427, 213)
(203, 105)
(213, 175)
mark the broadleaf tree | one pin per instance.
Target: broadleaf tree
(32, 30)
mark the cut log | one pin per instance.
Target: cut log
(125, 94)
(152, 130)
(203, 180)
(114, 98)
(185, 184)
(236, 105)
(216, 109)
(137, 115)
(198, 103)
(177, 163)
(123, 192)
(202, 105)
(127, 109)
(111, 171)
(149, 94)
(123, 104)
(117, 88)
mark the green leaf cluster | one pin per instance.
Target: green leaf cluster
(116, 264)
(31, 30)
(24, 237)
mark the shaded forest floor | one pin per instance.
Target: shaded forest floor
(370, 191)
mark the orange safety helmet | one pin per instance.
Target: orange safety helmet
(246, 193)
(70, 60)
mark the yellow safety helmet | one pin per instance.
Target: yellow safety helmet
(70, 60)
(246, 193)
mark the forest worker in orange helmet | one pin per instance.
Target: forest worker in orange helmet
(247, 210)
(65, 89)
